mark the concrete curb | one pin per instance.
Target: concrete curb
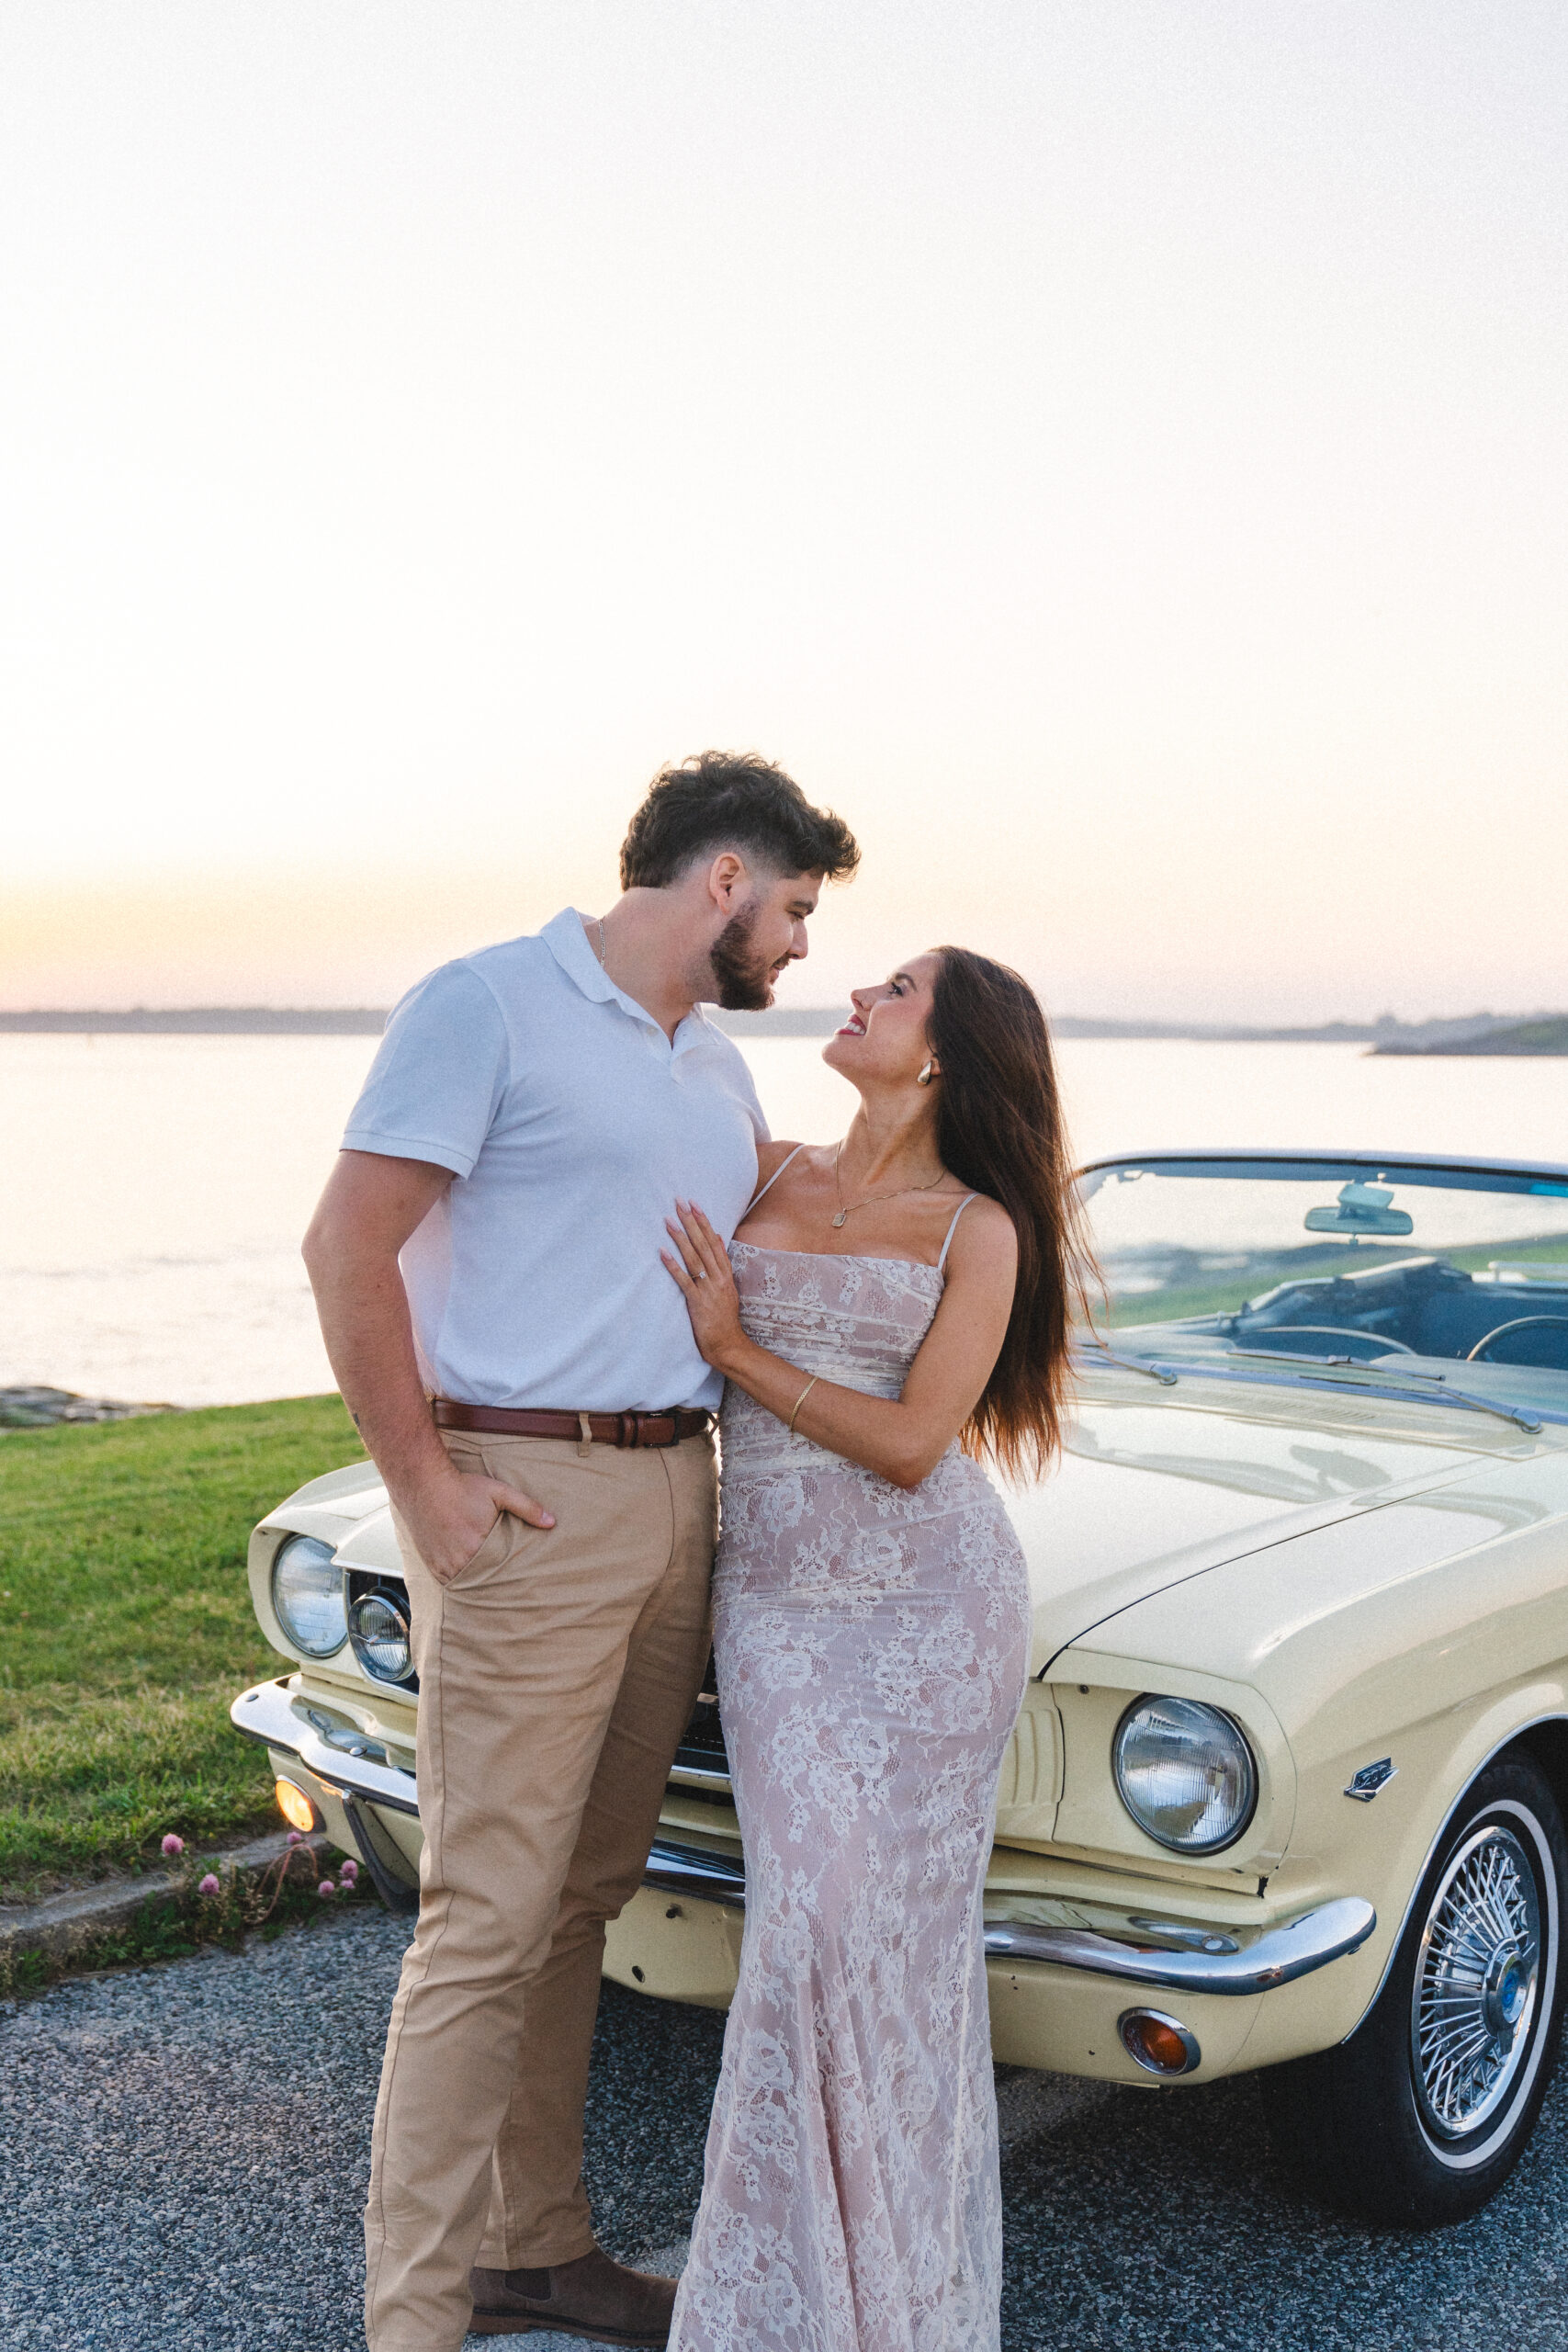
(63, 1922)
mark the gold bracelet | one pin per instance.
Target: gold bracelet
(802, 1398)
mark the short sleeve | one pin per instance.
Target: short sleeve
(738, 1080)
(438, 1074)
(747, 1092)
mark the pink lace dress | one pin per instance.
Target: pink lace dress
(872, 1649)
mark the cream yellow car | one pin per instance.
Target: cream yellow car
(1288, 1790)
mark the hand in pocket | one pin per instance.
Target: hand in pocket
(452, 1523)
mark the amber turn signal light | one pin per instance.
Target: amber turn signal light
(1161, 2045)
(296, 1807)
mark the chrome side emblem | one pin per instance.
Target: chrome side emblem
(1365, 1784)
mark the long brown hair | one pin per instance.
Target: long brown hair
(1001, 1131)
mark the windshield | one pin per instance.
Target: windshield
(1430, 1272)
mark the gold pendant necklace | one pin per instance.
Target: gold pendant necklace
(872, 1200)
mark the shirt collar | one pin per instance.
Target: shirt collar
(568, 942)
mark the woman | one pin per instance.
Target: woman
(893, 1307)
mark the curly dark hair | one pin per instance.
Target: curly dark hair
(1001, 1131)
(720, 800)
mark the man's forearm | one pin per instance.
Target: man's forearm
(369, 1340)
(369, 1208)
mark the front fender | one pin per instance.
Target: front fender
(1393, 1857)
(1431, 1633)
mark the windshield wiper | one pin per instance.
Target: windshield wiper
(1131, 1363)
(1339, 1365)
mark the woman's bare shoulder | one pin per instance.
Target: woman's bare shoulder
(984, 1238)
(770, 1157)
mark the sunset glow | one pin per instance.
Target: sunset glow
(1114, 456)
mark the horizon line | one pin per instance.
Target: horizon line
(779, 1021)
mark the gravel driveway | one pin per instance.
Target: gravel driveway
(184, 2152)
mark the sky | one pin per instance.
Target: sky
(1113, 453)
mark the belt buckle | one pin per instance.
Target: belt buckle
(635, 1428)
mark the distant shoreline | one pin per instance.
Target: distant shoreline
(201, 1021)
(1548, 1035)
(1476, 1033)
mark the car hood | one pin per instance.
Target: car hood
(1150, 1490)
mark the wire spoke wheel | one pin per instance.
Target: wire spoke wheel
(1419, 2116)
(1476, 1982)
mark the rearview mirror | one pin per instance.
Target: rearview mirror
(1361, 1208)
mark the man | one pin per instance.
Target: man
(486, 1261)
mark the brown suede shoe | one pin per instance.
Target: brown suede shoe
(592, 2297)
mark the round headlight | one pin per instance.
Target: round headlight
(307, 1596)
(1185, 1774)
(379, 1631)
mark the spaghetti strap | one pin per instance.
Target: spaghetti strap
(773, 1179)
(953, 1227)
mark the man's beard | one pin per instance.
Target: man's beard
(745, 984)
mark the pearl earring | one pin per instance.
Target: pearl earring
(924, 1077)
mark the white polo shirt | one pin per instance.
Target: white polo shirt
(570, 1123)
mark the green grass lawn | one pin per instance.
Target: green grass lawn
(126, 1628)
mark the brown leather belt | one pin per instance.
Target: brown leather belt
(604, 1429)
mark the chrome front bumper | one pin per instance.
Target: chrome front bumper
(1278, 1956)
(344, 1759)
(357, 1767)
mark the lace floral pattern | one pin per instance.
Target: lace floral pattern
(871, 1651)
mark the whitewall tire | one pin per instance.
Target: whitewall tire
(1421, 2115)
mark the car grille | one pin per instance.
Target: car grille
(702, 1747)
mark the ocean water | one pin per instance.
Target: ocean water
(153, 1189)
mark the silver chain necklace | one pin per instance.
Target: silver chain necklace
(872, 1199)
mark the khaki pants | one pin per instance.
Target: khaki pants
(556, 1674)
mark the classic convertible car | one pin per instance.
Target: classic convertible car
(1288, 1790)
